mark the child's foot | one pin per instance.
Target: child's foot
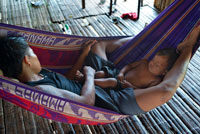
(79, 76)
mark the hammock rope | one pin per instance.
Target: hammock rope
(169, 29)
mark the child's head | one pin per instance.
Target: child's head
(163, 61)
(12, 53)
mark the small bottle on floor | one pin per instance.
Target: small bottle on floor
(102, 2)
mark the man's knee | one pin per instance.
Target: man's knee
(99, 46)
(99, 49)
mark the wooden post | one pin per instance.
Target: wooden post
(110, 7)
(83, 4)
(162, 4)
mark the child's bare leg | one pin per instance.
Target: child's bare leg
(106, 82)
(100, 74)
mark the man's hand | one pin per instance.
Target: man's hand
(88, 72)
(86, 47)
(88, 90)
(80, 62)
(190, 41)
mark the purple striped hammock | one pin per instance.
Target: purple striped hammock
(61, 51)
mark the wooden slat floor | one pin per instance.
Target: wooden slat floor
(180, 115)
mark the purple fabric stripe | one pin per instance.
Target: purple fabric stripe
(150, 41)
(182, 30)
(117, 52)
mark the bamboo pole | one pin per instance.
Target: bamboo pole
(2, 123)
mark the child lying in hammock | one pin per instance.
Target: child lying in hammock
(140, 74)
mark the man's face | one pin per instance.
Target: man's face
(35, 63)
(158, 65)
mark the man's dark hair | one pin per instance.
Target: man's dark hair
(12, 52)
(172, 56)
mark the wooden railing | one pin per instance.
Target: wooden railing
(162, 4)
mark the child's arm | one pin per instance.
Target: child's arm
(106, 82)
(126, 84)
(126, 68)
(112, 83)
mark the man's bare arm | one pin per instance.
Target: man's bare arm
(152, 97)
(87, 93)
(79, 64)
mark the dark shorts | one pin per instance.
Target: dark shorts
(121, 101)
(99, 64)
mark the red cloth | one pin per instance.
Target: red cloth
(132, 16)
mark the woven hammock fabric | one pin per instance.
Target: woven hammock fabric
(61, 51)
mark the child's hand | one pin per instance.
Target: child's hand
(120, 76)
(126, 84)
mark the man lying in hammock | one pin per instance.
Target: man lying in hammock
(19, 61)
